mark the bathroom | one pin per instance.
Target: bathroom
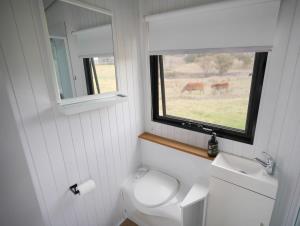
(108, 109)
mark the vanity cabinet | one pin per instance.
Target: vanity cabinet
(232, 205)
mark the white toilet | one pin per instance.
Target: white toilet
(155, 193)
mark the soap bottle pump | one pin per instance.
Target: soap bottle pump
(213, 149)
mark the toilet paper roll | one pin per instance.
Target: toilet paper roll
(86, 187)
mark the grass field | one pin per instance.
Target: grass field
(106, 77)
(227, 108)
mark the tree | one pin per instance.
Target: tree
(206, 63)
(190, 58)
(223, 62)
(246, 59)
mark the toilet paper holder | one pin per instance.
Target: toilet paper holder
(83, 188)
(74, 189)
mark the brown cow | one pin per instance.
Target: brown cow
(191, 86)
(221, 86)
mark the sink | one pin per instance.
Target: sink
(235, 163)
(245, 173)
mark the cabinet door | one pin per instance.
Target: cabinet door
(231, 205)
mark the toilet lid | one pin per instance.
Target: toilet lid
(155, 188)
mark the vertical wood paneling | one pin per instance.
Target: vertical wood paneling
(287, 148)
(22, 86)
(112, 167)
(91, 162)
(64, 150)
(14, 170)
(67, 144)
(125, 50)
(48, 130)
(102, 167)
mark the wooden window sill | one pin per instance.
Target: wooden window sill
(200, 152)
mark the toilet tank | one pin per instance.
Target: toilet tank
(232, 205)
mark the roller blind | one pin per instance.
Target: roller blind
(219, 25)
(96, 41)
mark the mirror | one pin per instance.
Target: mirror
(82, 48)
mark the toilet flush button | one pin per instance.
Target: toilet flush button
(141, 172)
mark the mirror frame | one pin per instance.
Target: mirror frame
(85, 98)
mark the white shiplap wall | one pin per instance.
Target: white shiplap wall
(62, 150)
(278, 122)
(285, 138)
(14, 172)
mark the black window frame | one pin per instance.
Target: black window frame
(244, 136)
(90, 74)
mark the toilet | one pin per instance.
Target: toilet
(158, 194)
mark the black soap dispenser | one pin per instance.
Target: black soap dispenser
(213, 149)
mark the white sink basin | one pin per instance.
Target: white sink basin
(244, 173)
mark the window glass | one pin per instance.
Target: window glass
(105, 69)
(208, 87)
(100, 75)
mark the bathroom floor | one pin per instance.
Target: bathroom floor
(128, 222)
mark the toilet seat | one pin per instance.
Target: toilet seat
(155, 189)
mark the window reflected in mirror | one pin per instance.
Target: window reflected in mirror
(82, 49)
(100, 75)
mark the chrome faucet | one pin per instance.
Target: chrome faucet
(268, 164)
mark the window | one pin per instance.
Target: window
(208, 92)
(100, 75)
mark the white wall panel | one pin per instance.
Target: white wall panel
(19, 204)
(187, 168)
(61, 150)
(285, 140)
